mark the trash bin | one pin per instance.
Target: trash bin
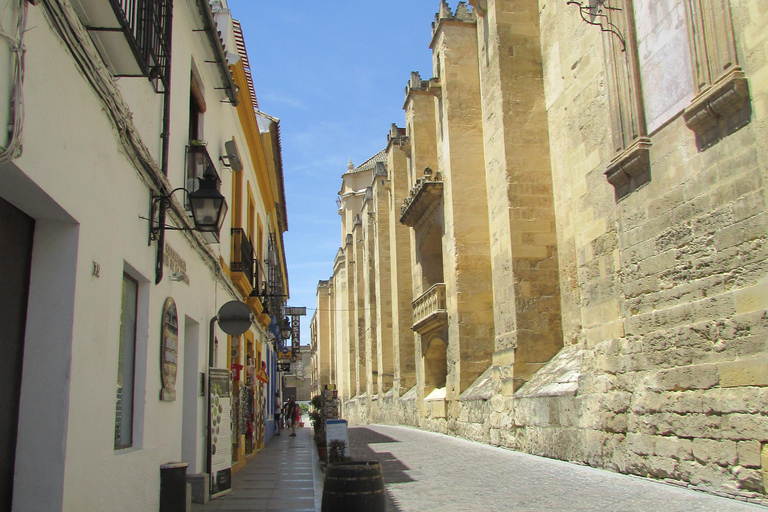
(173, 487)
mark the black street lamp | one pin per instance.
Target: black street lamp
(209, 209)
(285, 329)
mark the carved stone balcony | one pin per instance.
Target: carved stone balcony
(429, 310)
(426, 193)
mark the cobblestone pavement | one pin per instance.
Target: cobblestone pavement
(424, 471)
(278, 478)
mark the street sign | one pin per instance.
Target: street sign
(295, 311)
(235, 317)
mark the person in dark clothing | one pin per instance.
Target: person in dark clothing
(278, 411)
(291, 412)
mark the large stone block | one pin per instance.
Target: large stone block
(639, 444)
(693, 426)
(749, 453)
(749, 372)
(745, 427)
(662, 467)
(721, 452)
(674, 448)
(702, 376)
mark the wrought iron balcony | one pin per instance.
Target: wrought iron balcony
(429, 310)
(427, 191)
(132, 36)
(242, 258)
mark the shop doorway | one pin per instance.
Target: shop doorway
(16, 232)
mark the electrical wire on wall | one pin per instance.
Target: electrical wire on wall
(65, 23)
(15, 42)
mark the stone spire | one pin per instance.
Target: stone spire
(350, 165)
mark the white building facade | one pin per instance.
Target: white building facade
(122, 102)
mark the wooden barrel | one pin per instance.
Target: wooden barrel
(354, 486)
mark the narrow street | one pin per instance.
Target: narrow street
(424, 471)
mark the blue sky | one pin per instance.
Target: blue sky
(334, 73)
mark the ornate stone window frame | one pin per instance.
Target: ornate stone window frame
(721, 102)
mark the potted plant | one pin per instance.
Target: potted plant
(336, 452)
(322, 448)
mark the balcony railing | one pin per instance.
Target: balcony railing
(242, 255)
(429, 310)
(132, 36)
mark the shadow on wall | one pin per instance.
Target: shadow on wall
(395, 472)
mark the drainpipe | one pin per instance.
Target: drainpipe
(165, 143)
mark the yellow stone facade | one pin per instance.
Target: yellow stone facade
(564, 251)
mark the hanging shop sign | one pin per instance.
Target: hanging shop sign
(169, 350)
(284, 366)
(219, 434)
(284, 354)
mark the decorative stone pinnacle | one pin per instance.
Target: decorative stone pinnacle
(462, 12)
(350, 165)
(445, 10)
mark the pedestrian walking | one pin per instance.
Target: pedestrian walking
(278, 412)
(291, 412)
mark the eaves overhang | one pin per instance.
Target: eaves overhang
(209, 24)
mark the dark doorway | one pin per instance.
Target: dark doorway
(16, 234)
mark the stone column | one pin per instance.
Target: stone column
(323, 332)
(400, 263)
(524, 257)
(367, 244)
(421, 152)
(467, 265)
(383, 277)
(357, 317)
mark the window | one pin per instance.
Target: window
(197, 157)
(663, 58)
(126, 365)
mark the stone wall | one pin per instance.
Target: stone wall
(662, 284)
